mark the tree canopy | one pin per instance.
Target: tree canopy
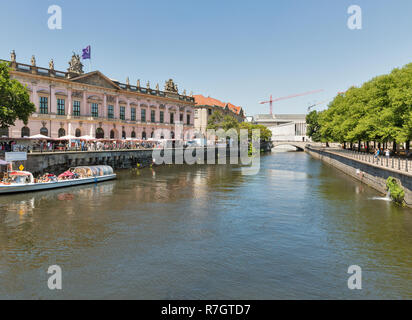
(380, 110)
(219, 121)
(14, 99)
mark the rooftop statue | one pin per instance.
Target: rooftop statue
(51, 64)
(33, 61)
(75, 65)
(170, 86)
(13, 56)
(138, 83)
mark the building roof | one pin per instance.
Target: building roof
(95, 78)
(201, 100)
(269, 117)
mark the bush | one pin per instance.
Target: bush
(396, 192)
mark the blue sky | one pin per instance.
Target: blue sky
(237, 51)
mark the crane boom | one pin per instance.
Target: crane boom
(289, 97)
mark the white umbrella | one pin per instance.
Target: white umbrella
(39, 137)
(69, 137)
(87, 138)
(4, 163)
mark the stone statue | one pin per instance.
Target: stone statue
(170, 86)
(75, 65)
(184, 92)
(33, 61)
(138, 83)
(157, 87)
(51, 64)
(13, 56)
(148, 85)
(191, 93)
(128, 81)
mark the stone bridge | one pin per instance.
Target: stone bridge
(300, 145)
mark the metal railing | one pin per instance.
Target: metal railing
(389, 162)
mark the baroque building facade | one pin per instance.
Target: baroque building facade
(90, 104)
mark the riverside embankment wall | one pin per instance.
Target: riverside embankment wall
(57, 162)
(370, 174)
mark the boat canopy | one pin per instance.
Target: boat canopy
(92, 171)
(21, 176)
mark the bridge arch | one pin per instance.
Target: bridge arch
(300, 146)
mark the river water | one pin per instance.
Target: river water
(208, 232)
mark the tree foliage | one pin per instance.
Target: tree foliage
(14, 99)
(219, 121)
(380, 110)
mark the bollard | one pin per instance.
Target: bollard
(399, 163)
(406, 165)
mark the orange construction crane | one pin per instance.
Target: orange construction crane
(271, 101)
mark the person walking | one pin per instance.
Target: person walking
(376, 156)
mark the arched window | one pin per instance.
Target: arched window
(99, 133)
(112, 134)
(78, 133)
(144, 135)
(172, 135)
(25, 132)
(152, 135)
(123, 134)
(162, 136)
(62, 132)
(133, 135)
(4, 132)
(44, 131)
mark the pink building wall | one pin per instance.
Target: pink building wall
(87, 94)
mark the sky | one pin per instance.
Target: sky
(236, 51)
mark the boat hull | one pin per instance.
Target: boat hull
(31, 187)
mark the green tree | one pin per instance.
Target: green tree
(215, 120)
(14, 99)
(379, 110)
(265, 133)
(312, 120)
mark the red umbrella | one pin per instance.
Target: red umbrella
(66, 174)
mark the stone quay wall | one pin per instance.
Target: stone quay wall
(57, 162)
(373, 175)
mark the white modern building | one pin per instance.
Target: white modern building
(285, 127)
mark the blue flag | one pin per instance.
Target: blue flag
(87, 53)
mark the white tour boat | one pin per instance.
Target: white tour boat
(22, 181)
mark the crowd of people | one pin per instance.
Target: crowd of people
(77, 145)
